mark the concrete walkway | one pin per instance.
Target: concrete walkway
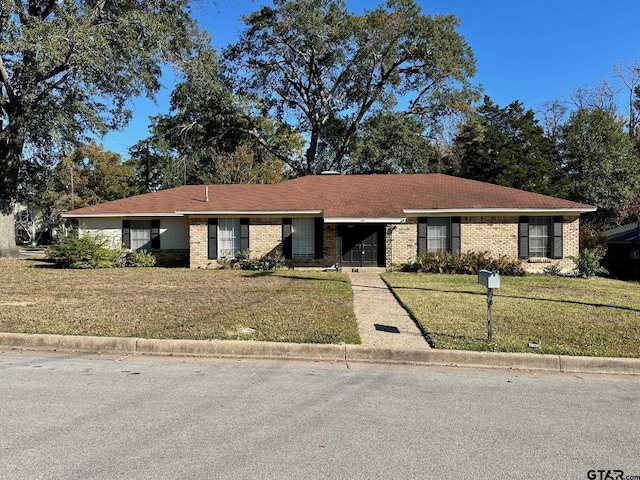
(382, 321)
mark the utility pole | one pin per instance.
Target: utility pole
(148, 169)
(71, 199)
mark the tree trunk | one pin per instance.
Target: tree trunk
(10, 156)
(8, 247)
(312, 152)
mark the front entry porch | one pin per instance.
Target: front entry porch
(362, 245)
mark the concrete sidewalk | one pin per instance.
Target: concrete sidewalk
(382, 321)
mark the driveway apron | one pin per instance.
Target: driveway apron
(382, 321)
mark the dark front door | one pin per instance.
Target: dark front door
(363, 245)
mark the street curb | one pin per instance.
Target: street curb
(239, 348)
(317, 352)
(457, 358)
(68, 343)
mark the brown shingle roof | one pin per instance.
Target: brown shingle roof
(337, 196)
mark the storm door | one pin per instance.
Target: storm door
(362, 245)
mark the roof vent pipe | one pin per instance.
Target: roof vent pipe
(206, 194)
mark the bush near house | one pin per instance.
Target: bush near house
(271, 261)
(588, 263)
(95, 251)
(469, 263)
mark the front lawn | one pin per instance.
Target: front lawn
(287, 306)
(571, 316)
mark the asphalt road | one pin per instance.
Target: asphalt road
(92, 417)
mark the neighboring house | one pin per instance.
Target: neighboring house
(623, 251)
(30, 226)
(342, 220)
(24, 226)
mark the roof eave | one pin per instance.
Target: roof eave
(254, 213)
(416, 212)
(120, 214)
(365, 220)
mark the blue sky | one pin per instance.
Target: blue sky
(528, 51)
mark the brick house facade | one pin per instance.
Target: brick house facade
(343, 221)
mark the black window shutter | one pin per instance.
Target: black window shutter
(126, 233)
(455, 235)
(422, 235)
(287, 244)
(244, 234)
(212, 237)
(523, 237)
(556, 238)
(319, 240)
(155, 233)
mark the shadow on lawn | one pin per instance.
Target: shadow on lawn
(464, 338)
(267, 273)
(43, 263)
(553, 300)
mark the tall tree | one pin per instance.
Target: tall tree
(322, 71)
(507, 146)
(207, 130)
(67, 69)
(601, 96)
(601, 163)
(553, 115)
(392, 142)
(629, 75)
(97, 176)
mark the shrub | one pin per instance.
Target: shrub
(469, 263)
(588, 263)
(94, 251)
(139, 259)
(87, 251)
(270, 261)
(553, 270)
(591, 239)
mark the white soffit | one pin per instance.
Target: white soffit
(120, 215)
(410, 212)
(363, 220)
(254, 213)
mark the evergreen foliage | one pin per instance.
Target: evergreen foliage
(508, 147)
(95, 251)
(588, 263)
(600, 163)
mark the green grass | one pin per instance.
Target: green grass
(287, 306)
(570, 316)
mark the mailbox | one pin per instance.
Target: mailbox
(489, 279)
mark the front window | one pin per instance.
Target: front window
(539, 231)
(438, 234)
(141, 235)
(303, 234)
(228, 237)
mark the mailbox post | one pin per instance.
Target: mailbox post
(489, 280)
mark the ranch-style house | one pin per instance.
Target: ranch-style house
(345, 221)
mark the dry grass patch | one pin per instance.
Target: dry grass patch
(306, 307)
(571, 316)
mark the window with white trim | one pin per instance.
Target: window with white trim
(539, 234)
(228, 237)
(438, 234)
(140, 235)
(302, 237)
